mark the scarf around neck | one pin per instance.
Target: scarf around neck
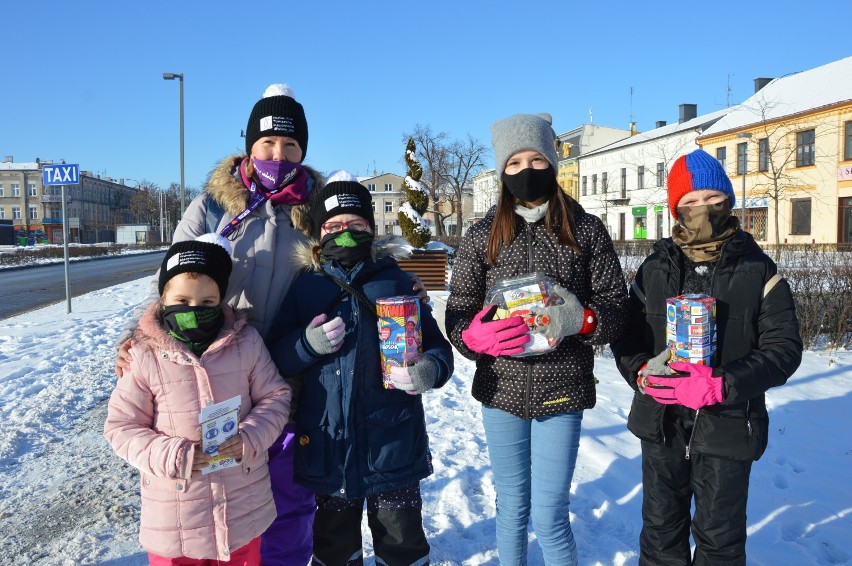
(701, 231)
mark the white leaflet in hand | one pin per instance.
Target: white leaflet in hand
(219, 422)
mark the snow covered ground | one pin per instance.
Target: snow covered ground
(65, 499)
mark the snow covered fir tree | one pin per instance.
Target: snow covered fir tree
(416, 201)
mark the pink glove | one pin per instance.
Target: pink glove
(504, 337)
(695, 388)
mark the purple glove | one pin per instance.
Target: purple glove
(504, 337)
(695, 388)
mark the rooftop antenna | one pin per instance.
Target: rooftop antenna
(729, 89)
(591, 119)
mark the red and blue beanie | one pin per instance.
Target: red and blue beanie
(696, 171)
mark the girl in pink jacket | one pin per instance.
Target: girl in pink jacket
(192, 351)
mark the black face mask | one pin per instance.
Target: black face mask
(529, 185)
(347, 247)
(196, 327)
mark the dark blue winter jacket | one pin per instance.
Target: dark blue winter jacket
(355, 438)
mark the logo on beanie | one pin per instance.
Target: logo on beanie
(345, 200)
(277, 123)
(191, 257)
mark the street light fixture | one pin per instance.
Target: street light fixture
(171, 77)
(744, 136)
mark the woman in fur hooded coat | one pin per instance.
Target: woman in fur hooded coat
(258, 200)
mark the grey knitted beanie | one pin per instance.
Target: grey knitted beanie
(521, 132)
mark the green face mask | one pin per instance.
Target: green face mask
(196, 327)
(347, 247)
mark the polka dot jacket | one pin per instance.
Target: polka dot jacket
(553, 382)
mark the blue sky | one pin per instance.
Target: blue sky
(83, 80)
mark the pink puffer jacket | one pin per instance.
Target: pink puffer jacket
(152, 423)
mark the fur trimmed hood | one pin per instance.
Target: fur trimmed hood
(225, 186)
(306, 254)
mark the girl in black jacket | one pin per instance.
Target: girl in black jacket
(701, 430)
(532, 406)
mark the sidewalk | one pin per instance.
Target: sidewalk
(438, 300)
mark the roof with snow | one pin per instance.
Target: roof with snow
(792, 94)
(13, 166)
(699, 122)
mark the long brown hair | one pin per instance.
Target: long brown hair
(559, 218)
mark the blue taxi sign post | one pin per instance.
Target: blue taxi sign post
(62, 174)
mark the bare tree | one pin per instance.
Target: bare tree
(464, 160)
(779, 154)
(144, 205)
(432, 154)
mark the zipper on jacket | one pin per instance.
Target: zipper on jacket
(528, 393)
(748, 418)
(692, 433)
(529, 231)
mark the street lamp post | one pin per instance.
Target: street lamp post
(170, 77)
(744, 136)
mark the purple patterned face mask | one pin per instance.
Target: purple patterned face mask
(275, 174)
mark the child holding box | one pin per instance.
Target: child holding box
(357, 439)
(191, 350)
(702, 427)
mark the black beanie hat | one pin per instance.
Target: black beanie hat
(342, 194)
(209, 255)
(277, 114)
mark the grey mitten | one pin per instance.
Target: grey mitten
(565, 319)
(657, 365)
(416, 379)
(325, 337)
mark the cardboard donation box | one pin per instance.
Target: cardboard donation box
(400, 336)
(691, 329)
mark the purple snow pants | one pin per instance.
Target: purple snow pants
(289, 539)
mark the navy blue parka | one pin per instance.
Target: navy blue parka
(355, 438)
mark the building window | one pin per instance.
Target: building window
(805, 149)
(847, 151)
(585, 185)
(1, 190)
(801, 216)
(16, 190)
(16, 212)
(33, 213)
(624, 182)
(388, 187)
(594, 184)
(661, 173)
(742, 158)
(756, 222)
(604, 183)
(388, 206)
(845, 217)
(371, 187)
(2, 213)
(722, 156)
(763, 154)
(640, 177)
(374, 206)
(31, 189)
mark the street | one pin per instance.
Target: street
(23, 290)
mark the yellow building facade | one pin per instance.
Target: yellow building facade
(788, 152)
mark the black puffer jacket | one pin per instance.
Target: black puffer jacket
(757, 340)
(557, 381)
